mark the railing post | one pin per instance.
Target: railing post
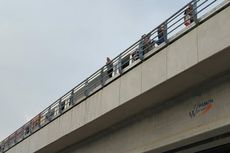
(39, 121)
(61, 105)
(26, 131)
(141, 49)
(102, 77)
(119, 65)
(71, 99)
(48, 114)
(30, 127)
(15, 137)
(86, 87)
(23, 132)
(165, 32)
(194, 11)
(141, 52)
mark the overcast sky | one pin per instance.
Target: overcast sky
(49, 46)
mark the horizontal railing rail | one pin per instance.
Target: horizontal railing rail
(184, 19)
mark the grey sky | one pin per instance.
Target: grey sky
(49, 46)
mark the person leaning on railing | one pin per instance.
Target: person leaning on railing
(188, 15)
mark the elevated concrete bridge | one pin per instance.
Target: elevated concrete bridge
(175, 99)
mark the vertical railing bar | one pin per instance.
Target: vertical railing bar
(86, 88)
(194, 11)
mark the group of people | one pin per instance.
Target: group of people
(146, 43)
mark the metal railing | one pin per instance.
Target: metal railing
(168, 31)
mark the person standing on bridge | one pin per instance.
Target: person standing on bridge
(188, 15)
(145, 45)
(160, 34)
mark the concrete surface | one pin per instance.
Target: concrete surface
(182, 54)
(154, 70)
(211, 41)
(166, 124)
